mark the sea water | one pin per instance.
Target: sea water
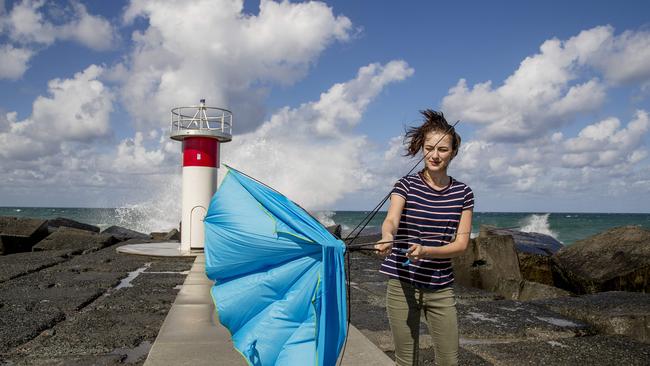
(565, 227)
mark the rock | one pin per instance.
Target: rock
(18, 326)
(165, 236)
(122, 234)
(527, 290)
(486, 262)
(335, 230)
(598, 350)
(465, 358)
(62, 221)
(536, 268)
(173, 234)
(471, 295)
(373, 238)
(617, 259)
(532, 243)
(19, 264)
(532, 291)
(78, 360)
(510, 320)
(120, 321)
(157, 236)
(18, 234)
(79, 241)
(616, 312)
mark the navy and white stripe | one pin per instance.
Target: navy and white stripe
(430, 214)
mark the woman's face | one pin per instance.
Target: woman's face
(438, 157)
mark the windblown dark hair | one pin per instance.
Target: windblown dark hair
(434, 121)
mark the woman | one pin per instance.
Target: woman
(430, 219)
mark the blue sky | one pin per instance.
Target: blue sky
(553, 98)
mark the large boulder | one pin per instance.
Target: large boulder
(62, 221)
(533, 251)
(18, 234)
(172, 235)
(486, 262)
(122, 234)
(536, 268)
(79, 241)
(615, 260)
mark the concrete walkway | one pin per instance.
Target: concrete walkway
(192, 335)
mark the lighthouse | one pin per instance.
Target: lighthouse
(202, 130)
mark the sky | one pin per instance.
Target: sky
(553, 98)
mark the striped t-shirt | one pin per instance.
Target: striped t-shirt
(430, 217)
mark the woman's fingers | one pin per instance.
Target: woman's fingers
(414, 251)
(383, 248)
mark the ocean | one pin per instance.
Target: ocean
(565, 227)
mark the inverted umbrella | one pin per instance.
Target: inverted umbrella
(279, 276)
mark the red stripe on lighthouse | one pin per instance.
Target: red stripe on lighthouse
(200, 151)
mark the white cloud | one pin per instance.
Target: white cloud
(132, 156)
(604, 143)
(222, 55)
(13, 61)
(30, 29)
(295, 152)
(624, 58)
(600, 155)
(90, 30)
(77, 110)
(28, 24)
(548, 89)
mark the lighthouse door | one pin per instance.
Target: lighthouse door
(197, 233)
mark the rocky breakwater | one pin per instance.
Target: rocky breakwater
(506, 317)
(74, 300)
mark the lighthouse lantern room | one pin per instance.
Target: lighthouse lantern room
(201, 129)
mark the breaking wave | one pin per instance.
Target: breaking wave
(325, 217)
(538, 224)
(160, 213)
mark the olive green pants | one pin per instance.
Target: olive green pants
(404, 304)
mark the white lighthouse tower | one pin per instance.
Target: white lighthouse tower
(202, 130)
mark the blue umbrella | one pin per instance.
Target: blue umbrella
(279, 276)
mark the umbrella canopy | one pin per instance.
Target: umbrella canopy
(279, 275)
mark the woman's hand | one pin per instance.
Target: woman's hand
(416, 252)
(384, 246)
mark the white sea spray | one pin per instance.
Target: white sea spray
(161, 213)
(538, 224)
(325, 217)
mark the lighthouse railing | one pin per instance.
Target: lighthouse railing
(201, 118)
